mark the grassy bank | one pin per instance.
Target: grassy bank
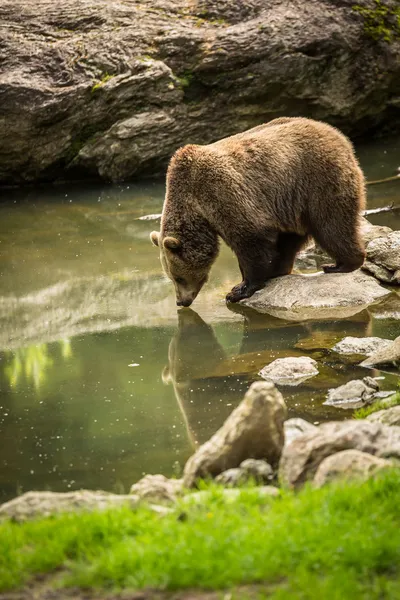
(342, 541)
(362, 413)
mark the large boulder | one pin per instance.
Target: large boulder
(387, 357)
(253, 430)
(320, 296)
(112, 88)
(349, 464)
(297, 427)
(387, 416)
(290, 370)
(383, 258)
(45, 504)
(370, 232)
(301, 459)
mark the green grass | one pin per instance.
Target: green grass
(342, 541)
(362, 413)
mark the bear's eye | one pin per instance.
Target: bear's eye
(180, 281)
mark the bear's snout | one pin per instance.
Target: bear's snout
(187, 302)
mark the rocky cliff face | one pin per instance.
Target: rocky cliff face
(111, 88)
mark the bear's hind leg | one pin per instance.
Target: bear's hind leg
(341, 240)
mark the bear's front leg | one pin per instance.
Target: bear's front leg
(242, 290)
(257, 256)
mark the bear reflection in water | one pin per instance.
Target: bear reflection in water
(209, 382)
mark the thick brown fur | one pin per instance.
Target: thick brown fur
(264, 192)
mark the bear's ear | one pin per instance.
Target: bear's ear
(171, 243)
(154, 237)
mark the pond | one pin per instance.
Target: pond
(102, 379)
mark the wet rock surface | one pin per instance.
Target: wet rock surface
(290, 371)
(349, 464)
(321, 296)
(301, 459)
(353, 394)
(366, 346)
(253, 430)
(387, 357)
(111, 89)
(44, 504)
(383, 258)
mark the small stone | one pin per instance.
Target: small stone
(353, 394)
(366, 346)
(232, 477)
(158, 487)
(260, 470)
(383, 258)
(290, 371)
(349, 464)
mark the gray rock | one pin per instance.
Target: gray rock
(44, 504)
(387, 416)
(370, 232)
(260, 470)
(232, 477)
(290, 370)
(301, 459)
(321, 296)
(388, 357)
(253, 430)
(353, 394)
(367, 345)
(383, 258)
(89, 103)
(295, 428)
(157, 487)
(349, 464)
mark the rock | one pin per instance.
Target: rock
(367, 345)
(349, 464)
(79, 102)
(260, 470)
(387, 416)
(290, 371)
(157, 487)
(353, 394)
(44, 504)
(295, 428)
(370, 232)
(253, 430)
(387, 357)
(320, 296)
(230, 495)
(232, 477)
(301, 459)
(383, 258)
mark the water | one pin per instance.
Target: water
(100, 382)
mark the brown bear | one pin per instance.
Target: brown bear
(264, 192)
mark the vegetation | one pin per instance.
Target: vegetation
(341, 541)
(363, 412)
(382, 22)
(106, 77)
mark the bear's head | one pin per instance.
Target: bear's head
(186, 265)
